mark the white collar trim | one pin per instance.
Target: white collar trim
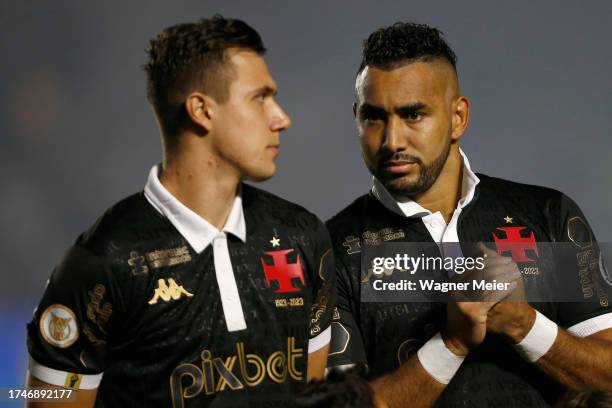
(412, 209)
(195, 229)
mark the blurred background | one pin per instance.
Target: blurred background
(77, 134)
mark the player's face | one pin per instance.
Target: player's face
(404, 118)
(247, 126)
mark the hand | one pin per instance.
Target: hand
(466, 322)
(466, 326)
(512, 317)
(502, 270)
(512, 320)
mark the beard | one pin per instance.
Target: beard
(428, 174)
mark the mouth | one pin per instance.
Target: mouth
(398, 166)
(273, 148)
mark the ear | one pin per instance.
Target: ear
(461, 117)
(200, 110)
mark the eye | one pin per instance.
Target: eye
(371, 122)
(413, 116)
(260, 97)
(370, 118)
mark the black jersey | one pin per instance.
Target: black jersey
(132, 300)
(383, 335)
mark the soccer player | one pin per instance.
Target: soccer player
(410, 116)
(200, 290)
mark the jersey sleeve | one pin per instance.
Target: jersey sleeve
(69, 334)
(324, 291)
(583, 257)
(346, 345)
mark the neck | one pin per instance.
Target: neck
(445, 193)
(197, 179)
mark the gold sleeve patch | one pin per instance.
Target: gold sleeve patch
(58, 326)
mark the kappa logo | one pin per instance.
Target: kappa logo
(516, 244)
(283, 272)
(58, 326)
(168, 291)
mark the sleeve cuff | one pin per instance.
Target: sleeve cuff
(63, 378)
(591, 326)
(320, 340)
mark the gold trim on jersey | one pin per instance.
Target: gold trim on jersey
(348, 338)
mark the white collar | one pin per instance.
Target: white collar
(195, 229)
(412, 209)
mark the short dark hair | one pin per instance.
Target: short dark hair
(404, 43)
(192, 56)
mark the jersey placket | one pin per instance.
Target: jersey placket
(228, 289)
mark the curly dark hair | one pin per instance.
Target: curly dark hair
(586, 399)
(404, 43)
(192, 56)
(340, 389)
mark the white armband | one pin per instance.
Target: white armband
(438, 360)
(539, 339)
(63, 378)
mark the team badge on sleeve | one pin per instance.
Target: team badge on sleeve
(58, 326)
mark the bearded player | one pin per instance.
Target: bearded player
(410, 116)
(200, 290)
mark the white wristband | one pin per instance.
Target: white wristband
(539, 339)
(439, 361)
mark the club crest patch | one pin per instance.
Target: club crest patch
(282, 271)
(516, 243)
(58, 326)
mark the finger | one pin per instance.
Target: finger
(486, 251)
(498, 270)
(497, 296)
(501, 271)
(498, 259)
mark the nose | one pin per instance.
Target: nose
(280, 120)
(394, 140)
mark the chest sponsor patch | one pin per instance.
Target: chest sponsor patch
(161, 258)
(383, 235)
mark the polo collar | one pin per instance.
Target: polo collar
(410, 208)
(195, 229)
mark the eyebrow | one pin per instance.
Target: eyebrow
(402, 111)
(265, 90)
(371, 110)
(410, 109)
